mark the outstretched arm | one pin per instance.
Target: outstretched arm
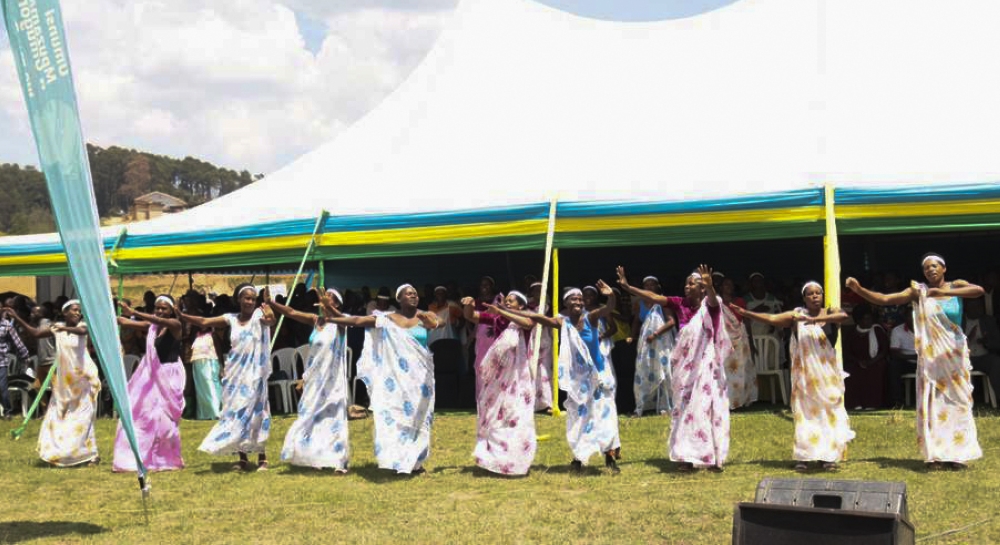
(522, 321)
(645, 295)
(881, 299)
(37, 333)
(958, 288)
(785, 319)
(202, 322)
(831, 316)
(291, 313)
(430, 320)
(469, 310)
(80, 330)
(353, 321)
(173, 324)
(133, 324)
(547, 321)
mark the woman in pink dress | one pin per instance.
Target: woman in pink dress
(156, 390)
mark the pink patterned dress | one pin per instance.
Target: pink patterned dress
(156, 391)
(505, 432)
(699, 426)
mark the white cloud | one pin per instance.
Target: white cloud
(231, 82)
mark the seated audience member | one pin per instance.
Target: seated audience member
(984, 340)
(902, 357)
(866, 358)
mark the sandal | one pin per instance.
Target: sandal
(609, 462)
(240, 466)
(686, 467)
(716, 469)
(801, 467)
(831, 466)
(262, 466)
(576, 466)
(934, 466)
(957, 466)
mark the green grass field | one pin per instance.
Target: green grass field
(649, 502)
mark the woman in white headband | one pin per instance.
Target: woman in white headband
(543, 373)
(654, 329)
(505, 430)
(946, 430)
(398, 370)
(741, 375)
(66, 437)
(591, 415)
(699, 423)
(449, 313)
(822, 428)
(319, 437)
(156, 390)
(245, 423)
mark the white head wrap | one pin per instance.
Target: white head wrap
(591, 288)
(440, 288)
(245, 288)
(809, 284)
(571, 292)
(755, 274)
(490, 278)
(651, 277)
(695, 275)
(399, 290)
(70, 303)
(936, 257)
(166, 300)
(520, 296)
(335, 293)
(538, 284)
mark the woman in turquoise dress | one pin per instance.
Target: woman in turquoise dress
(398, 371)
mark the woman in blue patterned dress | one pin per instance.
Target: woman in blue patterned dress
(318, 438)
(398, 370)
(245, 422)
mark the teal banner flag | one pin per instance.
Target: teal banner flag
(35, 29)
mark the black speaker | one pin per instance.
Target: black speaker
(872, 496)
(820, 512)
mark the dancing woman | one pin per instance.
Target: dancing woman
(946, 430)
(245, 422)
(67, 434)
(486, 331)
(591, 415)
(822, 430)
(543, 373)
(699, 424)
(505, 427)
(656, 328)
(156, 390)
(398, 371)
(318, 438)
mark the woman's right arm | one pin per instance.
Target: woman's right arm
(881, 299)
(133, 324)
(353, 321)
(469, 310)
(785, 319)
(291, 313)
(34, 332)
(199, 321)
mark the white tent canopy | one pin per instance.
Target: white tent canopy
(518, 103)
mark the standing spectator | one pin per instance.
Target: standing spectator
(45, 350)
(992, 299)
(891, 316)
(866, 353)
(9, 341)
(759, 300)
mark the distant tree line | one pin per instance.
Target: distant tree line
(120, 175)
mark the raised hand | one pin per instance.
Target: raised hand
(852, 284)
(265, 294)
(737, 310)
(604, 288)
(622, 279)
(468, 302)
(125, 308)
(706, 275)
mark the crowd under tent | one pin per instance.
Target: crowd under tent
(761, 120)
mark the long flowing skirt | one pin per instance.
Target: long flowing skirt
(652, 365)
(208, 388)
(591, 414)
(946, 429)
(505, 441)
(543, 375)
(66, 437)
(699, 426)
(822, 429)
(319, 436)
(156, 391)
(741, 375)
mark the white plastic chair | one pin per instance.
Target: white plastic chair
(284, 360)
(989, 394)
(768, 364)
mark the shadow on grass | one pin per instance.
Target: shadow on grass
(374, 474)
(480, 473)
(18, 531)
(910, 464)
(226, 467)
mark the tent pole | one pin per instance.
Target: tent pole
(317, 230)
(831, 259)
(555, 333)
(537, 332)
(321, 281)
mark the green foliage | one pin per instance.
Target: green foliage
(649, 502)
(120, 175)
